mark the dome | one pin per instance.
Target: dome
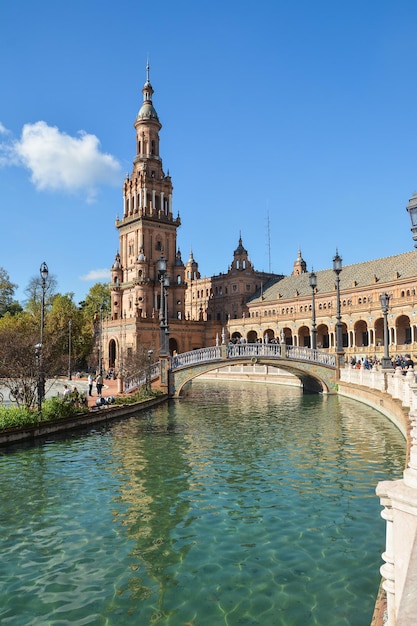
(147, 112)
(240, 249)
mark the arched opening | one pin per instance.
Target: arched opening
(269, 335)
(252, 336)
(236, 336)
(360, 334)
(322, 336)
(403, 329)
(112, 354)
(379, 331)
(304, 337)
(287, 336)
(173, 345)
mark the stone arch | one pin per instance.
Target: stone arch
(268, 335)
(112, 353)
(323, 340)
(403, 329)
(236, 336)
(308, 374)
(252, 336)
(379, 331)
(287, 335)
(360, 334)
(173, 345)
(304, 337)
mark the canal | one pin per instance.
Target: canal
(241, 504)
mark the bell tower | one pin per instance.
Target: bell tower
(147, 229)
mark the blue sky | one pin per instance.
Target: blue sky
(300, 115)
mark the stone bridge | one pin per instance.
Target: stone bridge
(317, 370)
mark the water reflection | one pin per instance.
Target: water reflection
(238, 505)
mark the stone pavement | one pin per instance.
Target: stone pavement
(56, 387)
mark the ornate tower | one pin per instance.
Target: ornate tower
(300, 266)
(147, 230)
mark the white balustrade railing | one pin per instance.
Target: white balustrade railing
(397, 383)
(308, 354)
(196, 356)
(250, 351)
(140, 379)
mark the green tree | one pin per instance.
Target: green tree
(67, 323)
(7, 290)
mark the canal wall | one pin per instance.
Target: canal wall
(10, 436)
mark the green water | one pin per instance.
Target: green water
(238, 505)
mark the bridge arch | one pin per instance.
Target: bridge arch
(316, 370)
(311, 381)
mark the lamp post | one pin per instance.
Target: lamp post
(386, 360)
(148, 372)
(313, 285)
(412, 211)
(69, 349)
(163, 308)
(337, 268)
(100, 346)
(44, 272)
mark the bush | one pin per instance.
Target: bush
(53, 409)
(134, 398)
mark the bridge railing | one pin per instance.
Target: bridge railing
(202, 355)
(308, 354)
(252, 350)
(238, 350)
(140, 379)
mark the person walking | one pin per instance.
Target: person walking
(99, 384)
(90, 385)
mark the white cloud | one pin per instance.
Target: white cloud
(3, 130)
(59, 162)
(97, 275)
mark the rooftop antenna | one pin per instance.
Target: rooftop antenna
(268, 238)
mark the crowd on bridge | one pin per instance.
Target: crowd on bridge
(404, 362)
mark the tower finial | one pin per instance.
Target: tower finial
(147, 70)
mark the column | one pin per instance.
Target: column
(162, 202)
(153, 199)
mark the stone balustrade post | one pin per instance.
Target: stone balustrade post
(387, 570)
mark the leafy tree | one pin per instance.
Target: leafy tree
(7, 289)
(20, 359)
(34, 293)
(65, 320)
(95, 308)
(98, 299)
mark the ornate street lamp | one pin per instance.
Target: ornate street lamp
(69, 349)
(100, 344)
(337, 268)
(44, 272)
(313, 285)
(163, 308)
(412, 211)
(386, 360)
(148, 372)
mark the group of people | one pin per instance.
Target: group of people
(74, 396)
(99, 384)
(404, 362)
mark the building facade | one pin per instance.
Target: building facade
(285, 309)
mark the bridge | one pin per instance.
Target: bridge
(316, 369)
